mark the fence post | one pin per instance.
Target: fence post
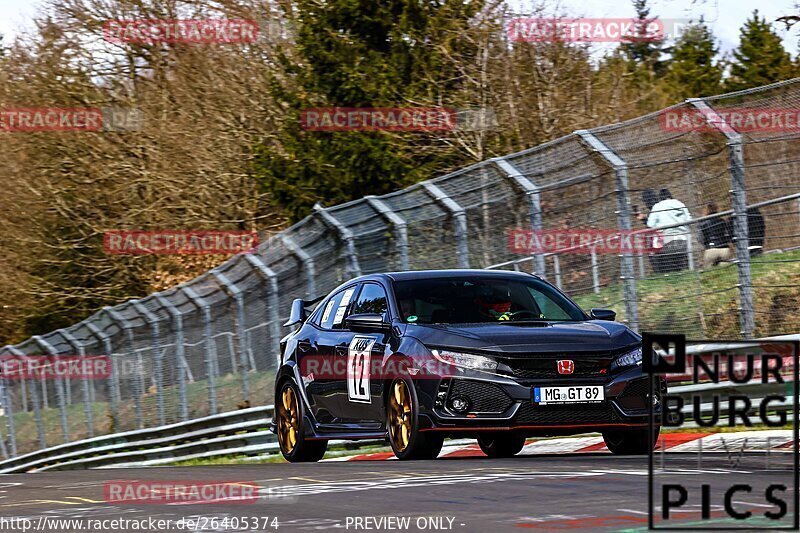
(59, 383)
(345, 234)
(155, 334)
(534, 198)
(271, 279)
(180, 360)
(741, 237)
(210, 350)
(399, 225)
(3, 448)
(627, 270)
(88, 412)
(557, 270)
(308, 264)
(37, 409)
(9, 411)
(116, 395)
(106, 341)
(459, 221)
(236, 293)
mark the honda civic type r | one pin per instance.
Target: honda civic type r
(416, 357)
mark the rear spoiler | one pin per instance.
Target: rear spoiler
(300, 311)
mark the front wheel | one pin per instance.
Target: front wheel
(402, 422)
(289, 416)
(501, 444)
(631, 441)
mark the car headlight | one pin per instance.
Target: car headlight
(465, 360)
(631, 358)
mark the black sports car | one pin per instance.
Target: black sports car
(419, 356)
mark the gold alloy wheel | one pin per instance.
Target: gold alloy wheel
(288, 420)
(400, 415)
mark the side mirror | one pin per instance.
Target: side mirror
(366, 322)
(298, 313)
(603, 314)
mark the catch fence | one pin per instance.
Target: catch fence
(211, 345)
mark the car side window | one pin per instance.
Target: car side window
(371, 299)
(335, 309)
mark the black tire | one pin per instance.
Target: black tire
(501, 443)
(631, 441)
(289, 418)
(412, 444)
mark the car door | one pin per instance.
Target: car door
(322, 368)
(363, 352)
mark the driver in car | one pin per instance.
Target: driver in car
(494, 304)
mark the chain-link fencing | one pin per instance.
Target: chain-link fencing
(211, 345)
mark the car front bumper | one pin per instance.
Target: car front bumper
(498, 402)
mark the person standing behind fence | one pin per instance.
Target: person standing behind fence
(756, 231)
(716, 237)
(665, 214)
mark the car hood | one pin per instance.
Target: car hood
(591, 336)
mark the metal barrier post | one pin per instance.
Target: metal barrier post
(108, 349)
(399, 225)
(306, 260)
(180, 359)
(210, 348)
(271, 279)
(236, 293)
(627, 271)
(459, 220)
(557, 270)
(155, 331)
(59, 383)
(3, 448)
(533, 195)
(9, 411)
(741, 237)
(114, 376)
(345, 234)
(88, 413)
(37, 409)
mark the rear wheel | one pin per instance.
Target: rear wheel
(289, 416)
(501, 444)
(402, 422)
(631, 441)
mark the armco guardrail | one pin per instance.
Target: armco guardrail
(241, 432)
(221, 434)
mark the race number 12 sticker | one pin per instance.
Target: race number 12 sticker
(358, 361)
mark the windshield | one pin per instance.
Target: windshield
(470, 300)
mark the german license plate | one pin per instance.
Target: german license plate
(564, 395)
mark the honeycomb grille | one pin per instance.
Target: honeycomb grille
(567, 414)
(544, 367)
(635, 395)
(484, 397)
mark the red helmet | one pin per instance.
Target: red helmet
(493, 303)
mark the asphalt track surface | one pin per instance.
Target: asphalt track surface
(593, 492)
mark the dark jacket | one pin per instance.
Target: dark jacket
(715, 233)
